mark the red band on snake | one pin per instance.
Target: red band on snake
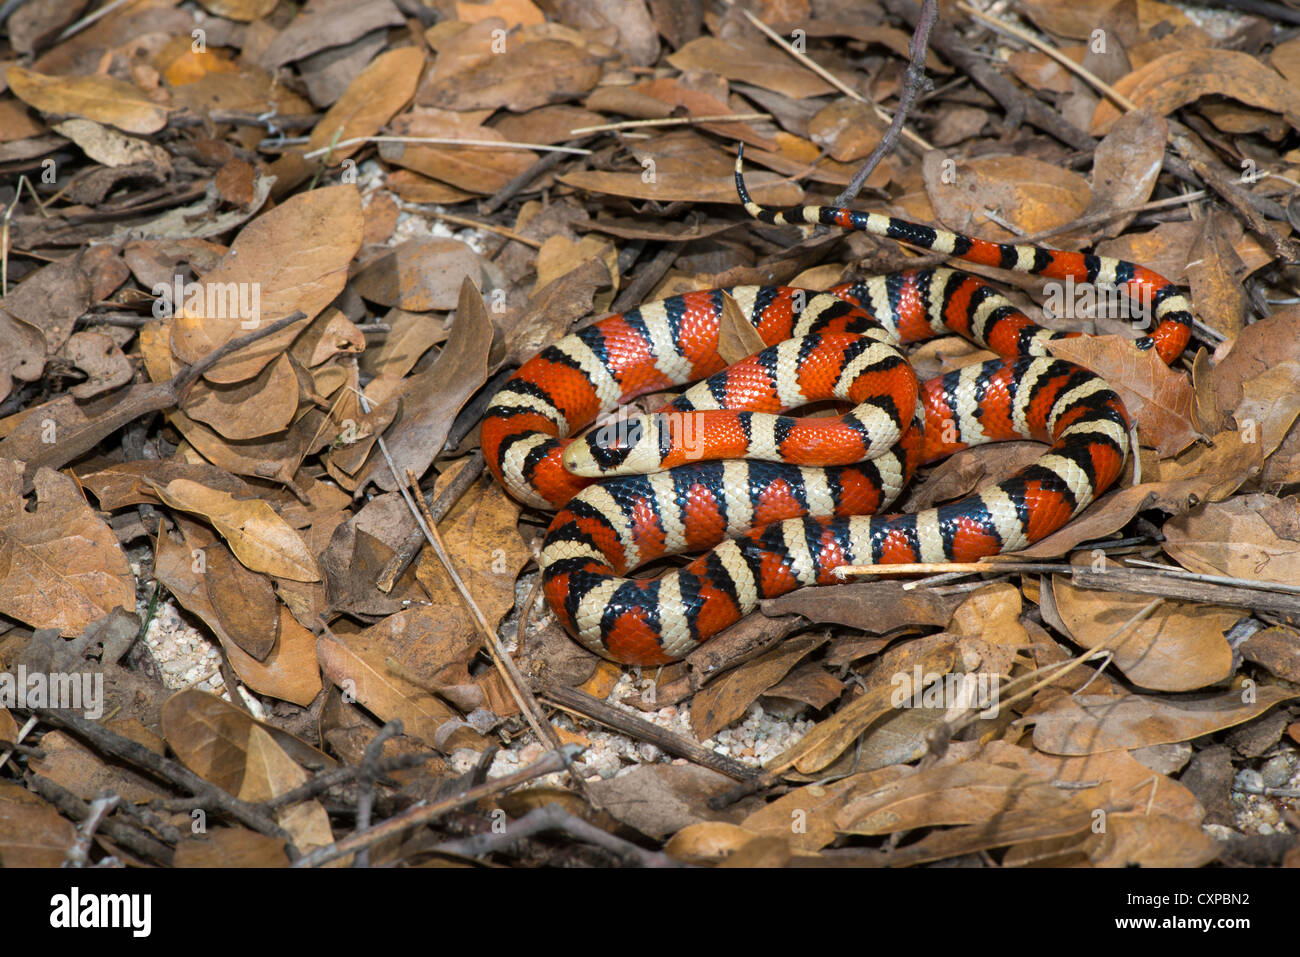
(805, 502)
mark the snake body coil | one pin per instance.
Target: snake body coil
(804, 503)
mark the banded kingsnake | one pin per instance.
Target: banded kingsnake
(772, 526)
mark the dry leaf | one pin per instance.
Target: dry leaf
(103, 99)
(259, 537)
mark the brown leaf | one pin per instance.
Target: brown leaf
(1277, 649)
(1086, 724)
(289, 671)
(534, 74)
(270, 772)
(737, 337)
(725, 699)
(1235, 538)
(751, 62)
(431, 399)
(32, 834)
(112, 148)
(60, 565)
(420, 274)
(1125, 167)
(876, 607)
(98, 356)
(256, 408)
(259, 537)
(230, 847)
(1215, 273)
(74, 767)
(1176, 79)
(1030, 194)
(210, 737)
(1179, 647)
(323, 24)
(243, 601)
(372, 99)
(468, 168)
(293, 258)
(357, 664)
(103, 99)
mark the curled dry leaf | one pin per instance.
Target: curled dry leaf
(60, 565)
(288, 672)
(258, 536)
(103, 99)
(98, 356)
(431, 399)
(1176, 79)
(1179, 647)
(1087, 724)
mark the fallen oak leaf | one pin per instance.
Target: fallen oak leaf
(258, 536)
(103, 99)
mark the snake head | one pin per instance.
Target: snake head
(634, 445)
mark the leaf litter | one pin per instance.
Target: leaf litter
(209, 517)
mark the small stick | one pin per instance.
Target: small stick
(438, 508)
(825, 74)
(422, 813)
(913, 82)
(446, 141)
(571, 699)
(553, 817)
(672, 121)
(135, 753)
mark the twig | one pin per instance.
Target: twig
(514, 681)
(646, 277)
(132, 751)
(367, 774)
(825, 74)
(422, 813)
(79, 853)
(913, 83)
(89, 19)
(133, 839)
(1013, 100)
(488, 227)
(1122, 101)
(671, 121)
(296, 121)
(553, 817)
(438, 508)
(571, 699)
(326, 780)
(517, 185)
(446, 141)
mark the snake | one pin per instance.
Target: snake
(774, 502)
